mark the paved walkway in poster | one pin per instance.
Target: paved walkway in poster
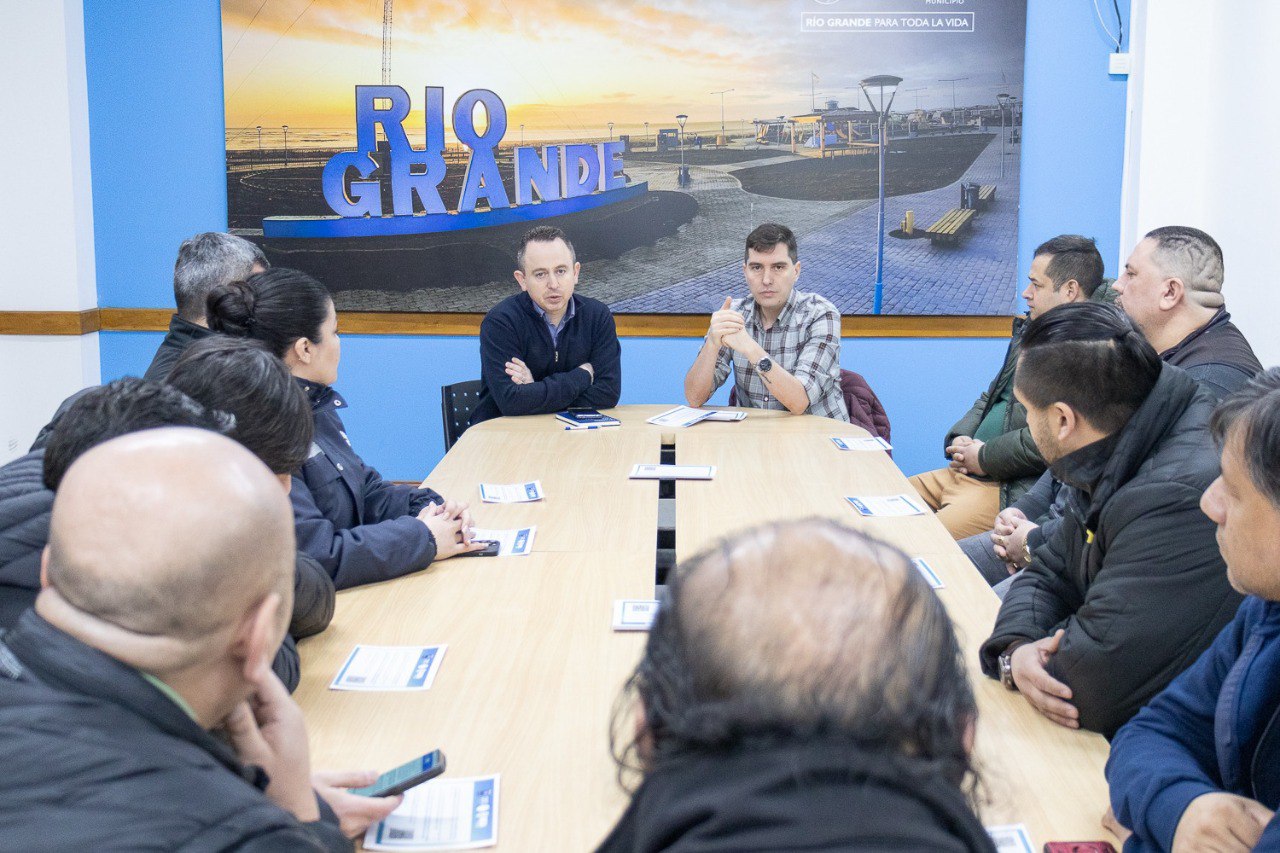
(977, 276)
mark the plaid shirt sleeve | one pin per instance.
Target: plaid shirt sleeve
(817, 364)
(723, 361)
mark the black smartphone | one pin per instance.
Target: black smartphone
(406, 776)
(490, 550)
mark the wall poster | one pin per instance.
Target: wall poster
(397, 149)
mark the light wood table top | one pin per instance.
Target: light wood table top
(533, 669)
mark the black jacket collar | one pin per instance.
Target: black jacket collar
(64, 663)
(185, 332)
(1102, 468)
(818, 795)
(1219, 319)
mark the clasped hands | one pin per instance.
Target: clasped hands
(452, 526)
(729, 329)
(1046, 694)
(963, 453)
(1009, 537)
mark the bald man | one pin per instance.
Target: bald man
(802, 688)
(167, 588)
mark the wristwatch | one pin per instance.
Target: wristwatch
(764, 365)
(1006, 669)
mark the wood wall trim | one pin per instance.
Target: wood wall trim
(73, 323)
(405, 323)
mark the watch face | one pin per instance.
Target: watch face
(764, 365)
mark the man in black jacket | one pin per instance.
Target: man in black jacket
(155, 627)
(849, 729)
(204, 261)
(1173, 284)
(547, 349)
(1131, 588)
(992, 458)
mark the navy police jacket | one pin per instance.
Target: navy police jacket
(361, 528)
(1215, 728)
(513, 328)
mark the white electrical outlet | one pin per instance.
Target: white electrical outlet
(1118, 63)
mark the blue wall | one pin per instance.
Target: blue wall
(156, 137)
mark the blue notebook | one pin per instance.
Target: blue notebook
(586, 419)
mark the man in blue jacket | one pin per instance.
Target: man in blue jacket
(546, 349)
(1199, 767)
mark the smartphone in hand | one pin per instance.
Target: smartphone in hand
(406, 776)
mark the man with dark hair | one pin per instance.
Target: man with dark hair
(849, 729)
(27, 484)
(783, 345)
(160, 612)
(1213, 352)
(245, 393)
(1131, 588)
(546, 348)
(1171, 288)
(1199, 767)
(992, 457)
(205, 260)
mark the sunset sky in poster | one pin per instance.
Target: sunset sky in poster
(578, 65)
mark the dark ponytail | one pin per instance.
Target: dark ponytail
(277, 307)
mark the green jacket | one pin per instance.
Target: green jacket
(1012, 457)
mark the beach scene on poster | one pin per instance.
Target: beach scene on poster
(398, 149)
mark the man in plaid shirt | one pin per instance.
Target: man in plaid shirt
(784, 345)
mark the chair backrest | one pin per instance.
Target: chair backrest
(457, 402)
(865, 408)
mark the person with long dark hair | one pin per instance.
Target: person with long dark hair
(360, 527)
(802, 689)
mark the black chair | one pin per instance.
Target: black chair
(457, 402)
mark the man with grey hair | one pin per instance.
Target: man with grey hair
(1171, 288)
(138, 708)
(848, 727)
(205, 260)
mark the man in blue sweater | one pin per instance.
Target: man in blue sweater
(546, 349)
(1199, 767)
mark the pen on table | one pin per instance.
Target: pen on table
(587, 426)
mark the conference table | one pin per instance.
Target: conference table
(530, 683)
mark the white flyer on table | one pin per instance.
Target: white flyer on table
(630, 614)
(443, 814)
(511, 543)
(887, 506)
(673, 472)
(681, 416)
(511, 493)
(925, 569)
(873, 442)
(1011, 839)
(389, 668)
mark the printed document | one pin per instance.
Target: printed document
(389, 668)
(634, 614)
(681, 416)
(443, 814)
(873, 442)
(673, 472)
(886, 506)
(511, 493)
(511, 543)
(1011, 839)
(927, 570)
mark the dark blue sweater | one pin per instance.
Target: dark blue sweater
(1205, 733)
(513, 329)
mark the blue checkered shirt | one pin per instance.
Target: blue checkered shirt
(804, 341)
